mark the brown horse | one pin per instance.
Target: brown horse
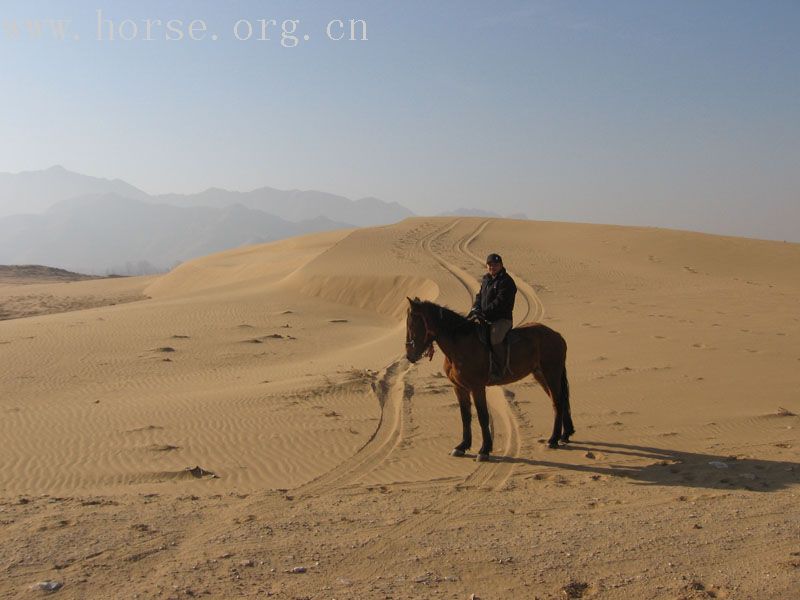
(535, 349)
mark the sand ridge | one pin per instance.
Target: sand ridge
(278, 370)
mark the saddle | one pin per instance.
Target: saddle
(485, 339)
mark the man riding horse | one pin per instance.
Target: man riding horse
(494, 304)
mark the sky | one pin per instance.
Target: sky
(675, 114)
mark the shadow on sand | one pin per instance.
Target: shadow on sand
(676, 467)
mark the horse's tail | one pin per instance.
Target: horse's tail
(564, 389)
(569, 428)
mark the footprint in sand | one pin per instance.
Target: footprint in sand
(145, 428)
(162, 448)
(271, 336)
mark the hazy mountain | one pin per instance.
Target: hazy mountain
(297, 205)
(93, 225)
(32, 192)
(110, 233)
(35, 191)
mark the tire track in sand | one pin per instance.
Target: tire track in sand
(392, 392)
(491, 474)
(534, 312)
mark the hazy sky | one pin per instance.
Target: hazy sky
(681, 113)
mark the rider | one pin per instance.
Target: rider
(494, 303)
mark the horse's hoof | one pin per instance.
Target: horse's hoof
(552, 444)
(482, 457)
(565, 439)
(457, 452)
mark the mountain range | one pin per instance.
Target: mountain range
(93, 225)
(107, 233)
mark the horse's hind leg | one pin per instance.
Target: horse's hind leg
(553, 388)
(479, 396)
(466, 422)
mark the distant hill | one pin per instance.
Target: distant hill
(296, 205)
(95, 225)
(35, 191)
(108, 233)
(38, 274)
(32, 192)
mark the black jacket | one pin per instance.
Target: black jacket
(496, 298)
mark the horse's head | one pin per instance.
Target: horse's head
(419, 336)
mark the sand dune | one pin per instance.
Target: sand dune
(278, 370)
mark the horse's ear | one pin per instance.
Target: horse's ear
(411, 302)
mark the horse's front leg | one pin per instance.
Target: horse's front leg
(479, 397)
(466, 422)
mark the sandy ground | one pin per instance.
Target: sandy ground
(34, 290)
(322, 454)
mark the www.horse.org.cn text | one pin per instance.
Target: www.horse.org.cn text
(288, 33)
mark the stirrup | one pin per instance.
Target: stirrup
(494, 376)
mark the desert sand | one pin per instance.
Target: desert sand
(249, 426)
(30, 290)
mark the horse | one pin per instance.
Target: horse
(535, 349)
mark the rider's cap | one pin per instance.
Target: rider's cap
(493, 259)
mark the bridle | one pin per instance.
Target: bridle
(430, 337)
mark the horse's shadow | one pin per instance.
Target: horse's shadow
(676, 467)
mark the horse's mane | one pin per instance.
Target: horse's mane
(449, 320)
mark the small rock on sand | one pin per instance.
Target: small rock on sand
(298, 570)
(48, 586)
(574, 589)
(200, 472)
